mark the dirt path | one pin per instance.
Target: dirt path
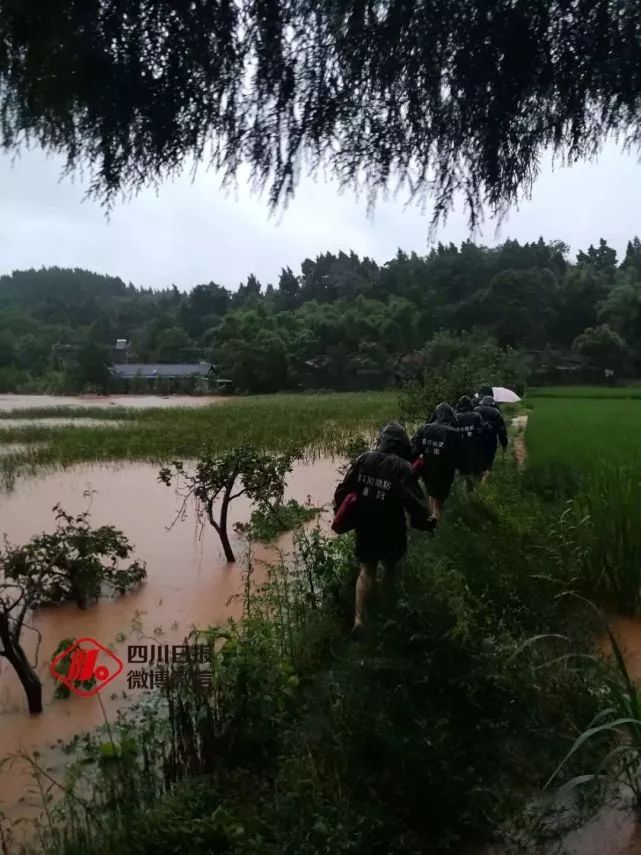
(520, 450)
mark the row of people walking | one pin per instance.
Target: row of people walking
(384, 485)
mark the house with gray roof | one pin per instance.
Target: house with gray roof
(155, 370)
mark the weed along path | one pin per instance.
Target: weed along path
(189, 584)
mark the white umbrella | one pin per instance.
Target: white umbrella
(504, 396)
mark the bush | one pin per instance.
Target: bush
(11, 379)
(269, 522)
(456, 366)
(73, 563)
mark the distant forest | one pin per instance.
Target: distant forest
(341, 322)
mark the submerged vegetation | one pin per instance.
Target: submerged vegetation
(320, 423)
(267, 523)
(76, 563)
(218, 479)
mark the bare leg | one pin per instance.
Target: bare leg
(437, 509)
(389, 577)
(364, 585)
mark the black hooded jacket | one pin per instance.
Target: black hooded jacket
(470, 423)
(471, 429)
(495, 424)
(439, 441)
(387, 487)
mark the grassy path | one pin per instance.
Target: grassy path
(519, 423)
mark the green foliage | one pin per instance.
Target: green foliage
(602, 348)
(90, 369)
(73, 563)
(269, 522)
(520, 306)
(62, 691)
(455, 366)
(11, 379)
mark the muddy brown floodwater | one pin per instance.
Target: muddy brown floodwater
(138, 402)
(188, 584)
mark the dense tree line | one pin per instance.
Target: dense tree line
(340, 322)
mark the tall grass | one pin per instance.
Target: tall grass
(602, 532)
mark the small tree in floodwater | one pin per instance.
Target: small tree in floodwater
(74, 563)
(14, 605)
(243, 471)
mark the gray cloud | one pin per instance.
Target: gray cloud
(192, 231)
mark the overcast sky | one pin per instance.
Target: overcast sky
(191, 231)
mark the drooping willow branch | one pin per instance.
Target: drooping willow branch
(437, 95)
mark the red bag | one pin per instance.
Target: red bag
(345, 517)
(418, 465)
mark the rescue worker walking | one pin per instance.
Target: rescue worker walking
(494, 432)
(438, 443)
(386, 487)
(471, 429)
(484, 391)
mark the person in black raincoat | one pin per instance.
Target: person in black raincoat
(440, 446)
(484, 391)
(494, 432)
(387, 487)
(471, 428)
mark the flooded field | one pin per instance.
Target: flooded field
(138, 402)
(7, 424)
(189, 584)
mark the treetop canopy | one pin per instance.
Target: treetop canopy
(438, 95)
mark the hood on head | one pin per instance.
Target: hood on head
(488, 401)
(393, 439)
(444, 414)
(464, 404)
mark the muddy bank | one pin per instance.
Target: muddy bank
(189, 584)
(519, 423)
